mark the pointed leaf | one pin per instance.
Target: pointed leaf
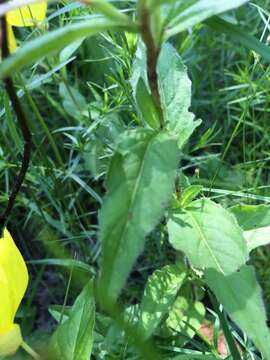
(73, 340)
(140, 183)
(175, 94)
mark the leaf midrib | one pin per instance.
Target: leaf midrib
(204, 240)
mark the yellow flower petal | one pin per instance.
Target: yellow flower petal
(11, 39)
(10, 341)
(13, 281)
(27, 15)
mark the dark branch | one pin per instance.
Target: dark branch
(24, 128)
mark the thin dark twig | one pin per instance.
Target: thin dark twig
(152, 58)
(23, 125)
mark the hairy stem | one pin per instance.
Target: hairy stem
(152, 52)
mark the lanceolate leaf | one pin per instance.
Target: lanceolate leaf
(73, 339)
(159, 295)
(54, 41)
(175, 94)
(197, 12)
(241, 296)
(209, 235)
(140, 183)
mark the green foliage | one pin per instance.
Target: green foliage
(115, 176)
(175, 94)
(241, 296)
(159, 295)
(140, 184)
(73, 340)
(185, 318)
(255, 220)
(196, 230)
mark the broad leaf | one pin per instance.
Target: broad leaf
(255, 220)
(159, 295)
(140, 183)
(175, 94)
(241, 296)
(209, 235)
(73, 339)
(191, 12)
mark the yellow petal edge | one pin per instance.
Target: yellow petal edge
(27, 15)
(11, 341)
(13, 283)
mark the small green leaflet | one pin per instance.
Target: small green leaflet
(175, 94)
(73, 340)
(140, 185)
(159, 295)
(241, 296)
(209, 235)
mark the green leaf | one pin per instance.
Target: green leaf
(241, 296)
(251, 217)
(54, 41)
(73, 340)
(186, 317)
(73, 101)
(255, 220)
(140, 184)
(209, 235)
(189, 194)
(239, 35)
(194, 12)
(146, 106)
(175, 94)
(257, 237)
(160, 293)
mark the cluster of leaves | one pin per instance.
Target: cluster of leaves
(146, 192)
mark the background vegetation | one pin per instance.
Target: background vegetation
(77, 103)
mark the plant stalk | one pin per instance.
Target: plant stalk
(21, 118)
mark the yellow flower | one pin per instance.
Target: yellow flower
(13, 284)
(25, 16)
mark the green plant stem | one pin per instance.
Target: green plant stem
(30, 351)
(152, 58)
